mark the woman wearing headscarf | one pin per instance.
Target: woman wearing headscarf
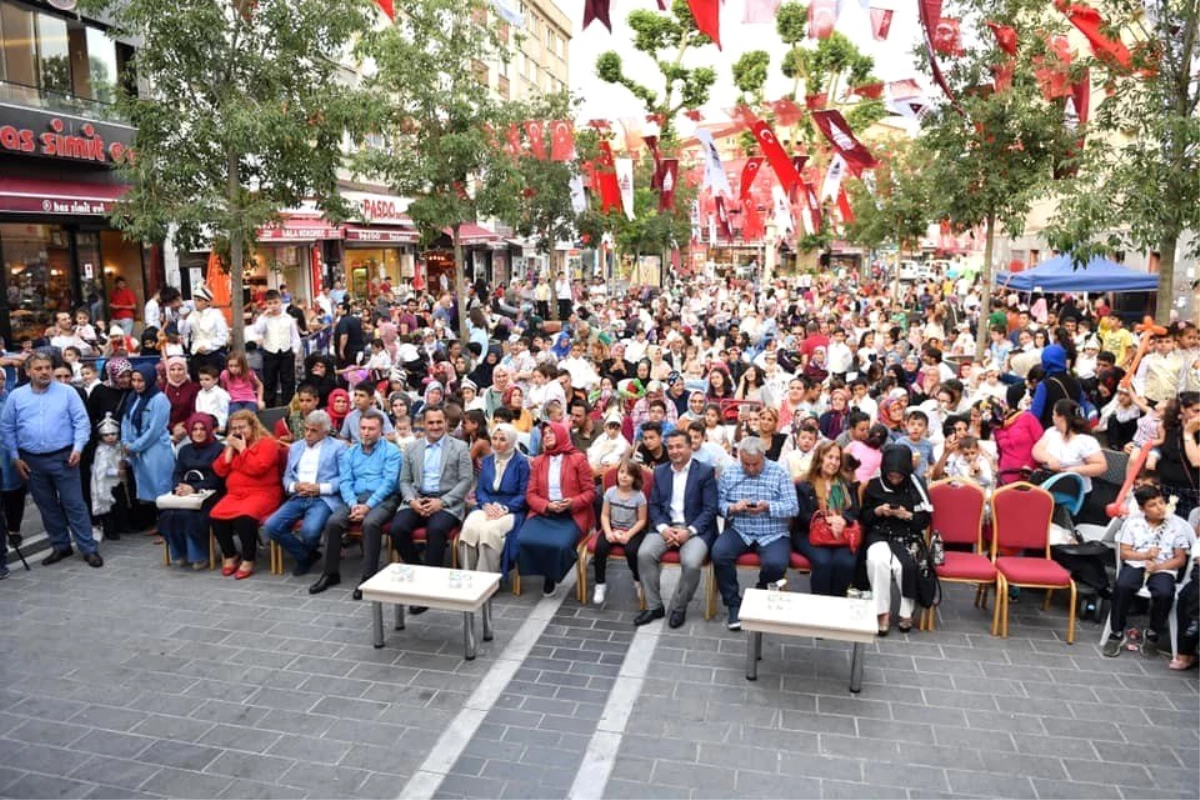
(562, 346)
(434, 395)
(150, 342)
(319, 372)
(561, 496)
(1015, 439)
(895, 513)
(833, 421)
(488, 538)
(339, 407)
(615, 366)
(481, 376)
(186, 530)
(144, 434)
(181, 394)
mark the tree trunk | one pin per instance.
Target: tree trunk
(460, 285)
(233, 188)
(985, 307)
(1166, 279)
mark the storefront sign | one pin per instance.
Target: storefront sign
(298, 230)
(66, 198)
(380, 235)
(379, 208)
(35, 133)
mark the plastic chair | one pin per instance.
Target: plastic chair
(1172, 619)
(587, 547)
(1021, 516)
(958, 511)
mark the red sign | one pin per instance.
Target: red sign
(87, 145)
(25, 196)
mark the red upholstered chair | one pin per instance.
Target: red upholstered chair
(958, 507)
(419, 537)
(1021, 515)
(587, 547)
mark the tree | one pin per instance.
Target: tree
(993, 153)
(665, 37)
(1138, 182)
(446, 132)
(247, 115)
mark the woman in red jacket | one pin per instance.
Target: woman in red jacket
(560, 497)
(250, 467)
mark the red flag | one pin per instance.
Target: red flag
(388, 7)
(656, 178)
(773, 150)
(752, 223)
(595, 10)
(815, 102)
(947, 39)
(822, 14)
(835, 129)
(749, 173)
(707, 14)
(759, 12)
(723, 227)
(668, 176)
(813, 206)
(871, 91)
(693, 114)
(535, 130)
(798, 165)
(512, 144)
(562, 140)
(786, 112)
(1091, 24)
(844, 207)
(1002, 76)
(606, 177)
(1006, 37)
(1081, 94)
(930, 12)
(881, 23)
(904, 88)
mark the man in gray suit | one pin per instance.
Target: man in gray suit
(435, 478)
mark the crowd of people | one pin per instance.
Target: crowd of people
(711, 420)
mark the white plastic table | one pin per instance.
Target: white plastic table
(846, 619)
(436, 587)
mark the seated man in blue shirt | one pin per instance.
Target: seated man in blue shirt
(367, 479)
(758, 500)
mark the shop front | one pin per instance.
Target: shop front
(380, 243)
(291, 254)
(57, 248)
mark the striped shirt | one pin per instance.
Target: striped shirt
(772, 485)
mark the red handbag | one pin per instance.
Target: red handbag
(820, 534)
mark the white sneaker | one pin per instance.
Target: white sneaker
(599, 594)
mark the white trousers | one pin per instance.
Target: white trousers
(882, 567)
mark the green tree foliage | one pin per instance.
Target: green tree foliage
(994, 153)
(247, 116)
(750, 75)
(1137, 185)
(898, 213)
(664, 36)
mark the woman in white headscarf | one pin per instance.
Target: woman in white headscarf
(499, 506)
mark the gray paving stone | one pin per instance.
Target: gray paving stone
(47, 708)
(255, 790)
(115, 772)
(251, 766)
(109, 743)
(47, 732)
(1066, 790)
(34, 785)
(631, 790)
(695, 776)
(181, 755)
(184, 784)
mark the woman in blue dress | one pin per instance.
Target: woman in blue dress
(488, 539)
(146, 438)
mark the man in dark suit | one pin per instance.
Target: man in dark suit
(683, 516)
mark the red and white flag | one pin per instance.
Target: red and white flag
(822, 15)
(606, 179)
(562, 140)
(668, 176)
(535, 130)
(776, 155)
(1006, 37)
(760, 12)
(881, 23)
(812, 208)
(625, 183)
(947, 38)
(833, 178)
(787, 113)
(386, 6)
(844, 208)
(707, 14)
(512, 140)
(723, 226)
(835, 129)
(1089, 22)
(749, 173)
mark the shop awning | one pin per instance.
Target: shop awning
(381, 235)
(66, 198)
(469, 233)
(299, 229)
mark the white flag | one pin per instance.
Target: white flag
(695, 220)
(712, 228)
(833, 178)
(625, 181)
(783, 211)
(578, 196)
(714, 171)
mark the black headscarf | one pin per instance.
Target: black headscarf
(138, 411)
(481, 376)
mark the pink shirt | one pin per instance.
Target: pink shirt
(241, 388)
(868, 458)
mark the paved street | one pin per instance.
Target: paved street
(140, 680)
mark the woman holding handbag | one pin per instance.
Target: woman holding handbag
(826, 531)
(197, 487)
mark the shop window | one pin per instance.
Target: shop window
(37, 264)
(102, 68)
(54, 54)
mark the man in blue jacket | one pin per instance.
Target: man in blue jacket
(683, 517)
(311, 481)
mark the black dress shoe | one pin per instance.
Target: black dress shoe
(415, 610)
(94, 560)
(649, 615)
(57, 556)
(678, 617)
(324, 582)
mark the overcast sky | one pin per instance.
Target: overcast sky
(893, 57)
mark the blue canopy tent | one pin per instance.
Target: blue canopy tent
(1060, 274)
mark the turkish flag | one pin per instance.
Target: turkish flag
(512, 143)
(693, 114)
(749, 173)
(668, 177)
(562, 140)
(707, 14)
(594, 10)
(834, 127)
(881, 23)
(1054, 79)
(606, 178)
(536, 131)
(786, 112)
(815, 102)
(947, 38)
(822, 14)
(931, 12)
(388, 7)
(723, 226)
(773, 150)
(1091, 25)
(844, 207)
(1006, 37)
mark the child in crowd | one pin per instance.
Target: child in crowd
(74, 358)
(917, 425)
(172, 344)
(89, 378)
(108, 473)
(967, 461)
(609, 448)
(244, 388)
(212, 399)
(623, 521)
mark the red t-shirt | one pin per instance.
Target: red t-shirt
(122, 297)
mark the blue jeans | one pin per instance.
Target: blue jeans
(312, 513)
(58, 492)
(832, 567)
(243, 406)
(773, 559)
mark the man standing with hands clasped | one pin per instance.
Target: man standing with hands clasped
(45, 428)
(683, 516)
